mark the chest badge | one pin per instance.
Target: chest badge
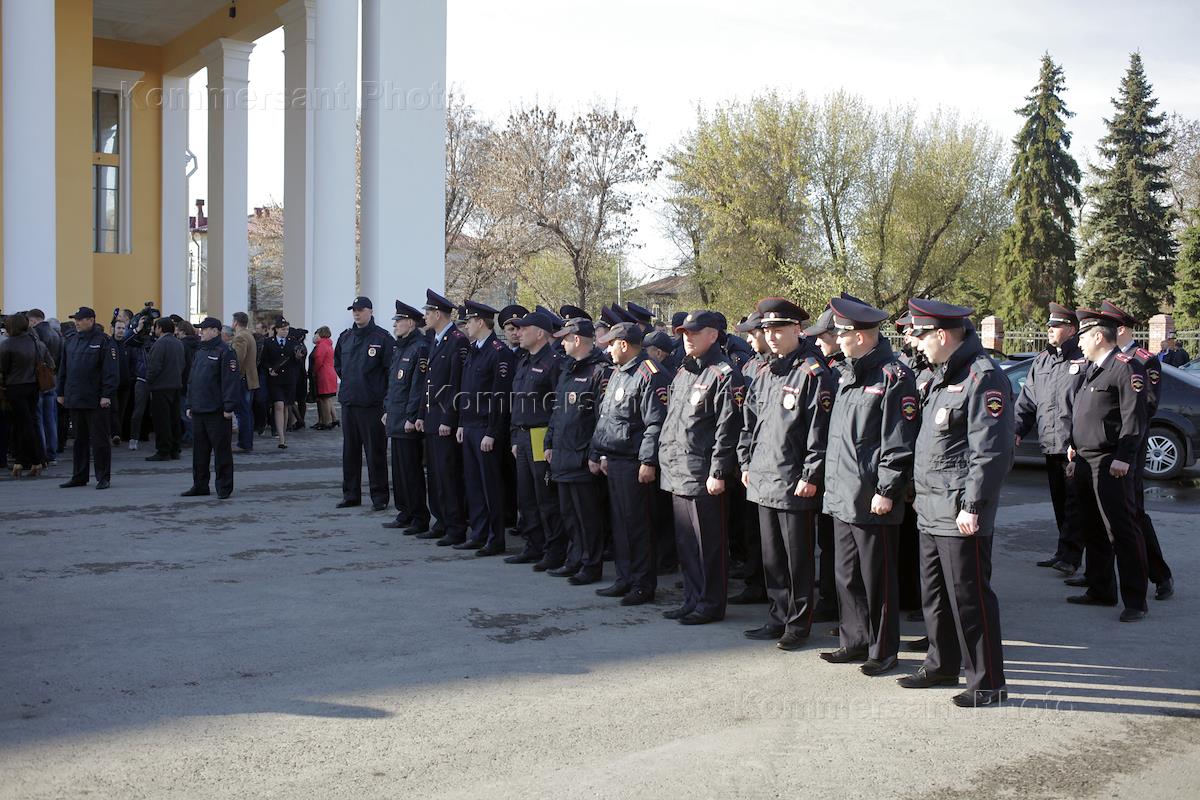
(572, 397)
(619, 395)
(372, 351)
(400, 375)
(941, 415)
(697, 396)
(1074, 370)
(789, 401)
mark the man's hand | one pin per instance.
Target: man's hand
(806, 489)
(188, 412)
(549, 453)
(1070, 454)
(715, 485)
(487, 443)
(514, 449)
(227, 414)
(383, 419)
(881, 505)
(444, 430)
(604, 467)
(1118, 469)
(458, 435)
(62, 401)
(647, 473)
(1018, 440)
(105, 402)
(409, 427)
(967, 523)
(593, 467)
(746, 479)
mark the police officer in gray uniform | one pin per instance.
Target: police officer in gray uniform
(782, 455)
(963, 452)
(698, 454)
(402, 407)
(868, 464)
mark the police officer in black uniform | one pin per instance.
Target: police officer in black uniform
(87, 384)
(868, 464)
(698, 454)
(406, 391)
(1107, 430)
(581, 385)
(283, 360)
(782, 455)
(1045, 404)
(483, 414)
(362, 358)
(625, 448)
(508, 464)
(439, 420)
(963, 452)
(536, 377)
(214, 390)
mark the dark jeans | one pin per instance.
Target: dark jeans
(26, 442)
(245, 418)
(168, 428)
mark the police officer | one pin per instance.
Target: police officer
(625, 448)
(1045, 401)
(214, 391)
(868, 464)
(747, 513)
(782, 455)
(87, 383)
(1159, 571)
(439, 419)
(508, 464)
(362, 358)
(658, 345)
(406, 391)
(283, 362)
(909, 547)
(569, 312)
(1107, 430)
(482, 416)
(698, 454)
(536, 377)
(963, 451)
(581, 384)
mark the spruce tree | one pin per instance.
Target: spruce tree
(1187, 281)
(1130, 257)
(1037, 252)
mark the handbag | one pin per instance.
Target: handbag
(46, 379)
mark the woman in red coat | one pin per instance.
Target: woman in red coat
(326, 379)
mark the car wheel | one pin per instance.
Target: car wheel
(1164, 454)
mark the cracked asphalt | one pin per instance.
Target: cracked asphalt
(271, 646)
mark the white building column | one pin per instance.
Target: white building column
(333, 104)
(175, 203)
(299, 35)
(403, 149)
(30, 213)
(228, 247)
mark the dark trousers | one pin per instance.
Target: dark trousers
(827, 582)
(908, 551)
(789, 565)
(168, 427)
(212, 437)
(484, 484)
(633, 532)
(744, 521)
(245, 417)
(363, 432)
(663, 530)
(91, 435)
(962, 615)
(1108, 514)
(508, 468)
(26, 442)
(408, 480)
(583, 516)
(701, 533)
(1156, 565)
(1066, 512)
(541, 522)
(444, 456)
(868, 591)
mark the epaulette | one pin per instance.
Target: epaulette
(650, 365)
(814, 365)
(1144, 354)
(723, 367)
(647, 369)
(496, 344)
(893, 370)
(1124, 359)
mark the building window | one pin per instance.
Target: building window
(111, 89)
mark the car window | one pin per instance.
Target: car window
(1017, 373)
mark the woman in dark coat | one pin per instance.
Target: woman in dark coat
(20, 354)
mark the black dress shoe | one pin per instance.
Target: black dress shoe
(348, 504)
(429, 534)
(617, 589)
(159, 457)
(696, 618)
(677, 613)
(379, 506)
(1077, 582)
(490, 550)
(748, 597)
(877, 666)
(844, 656)
(980, 698)
(1165, 589)
(416, 529)
(72, 484)
(101, 485)
(194, 492)
(637, 597)
(1132, 615)
(918, 645)
(791, 641)
(224, 495)
(176, 456)
(393, 525)
(826, 615)
(523, 558)
(583, 578)
(565, 571)
(546, 565)
(1088, 600)
(924, 679)
(469, 544)
(764, 633)
(449, 541)
(1048, 562)
(1065, 568)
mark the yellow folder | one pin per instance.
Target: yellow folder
(537, 443)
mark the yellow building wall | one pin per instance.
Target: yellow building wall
(73, 145)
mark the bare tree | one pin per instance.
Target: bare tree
(1183, 169)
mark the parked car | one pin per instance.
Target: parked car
(1174, 442)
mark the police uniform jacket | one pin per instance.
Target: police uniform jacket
(406, 383)
(1109, 416)
(738, 351)
(872, 432)
(581, 385)
(533, 387)
(786, 424)
(1153, 369)
(487, 382)
(214, 381)
(629, 421)
(88, 370)
(1048, 395)
(280, 361)
(444, 379)
(704, 419)
(362, 359)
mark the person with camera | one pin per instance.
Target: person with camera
(87, 382)
(164, 376)
(139, 337)
(214, 393)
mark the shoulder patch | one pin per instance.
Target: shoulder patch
(993, 401)
(1137, 382)
(1124, 359)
